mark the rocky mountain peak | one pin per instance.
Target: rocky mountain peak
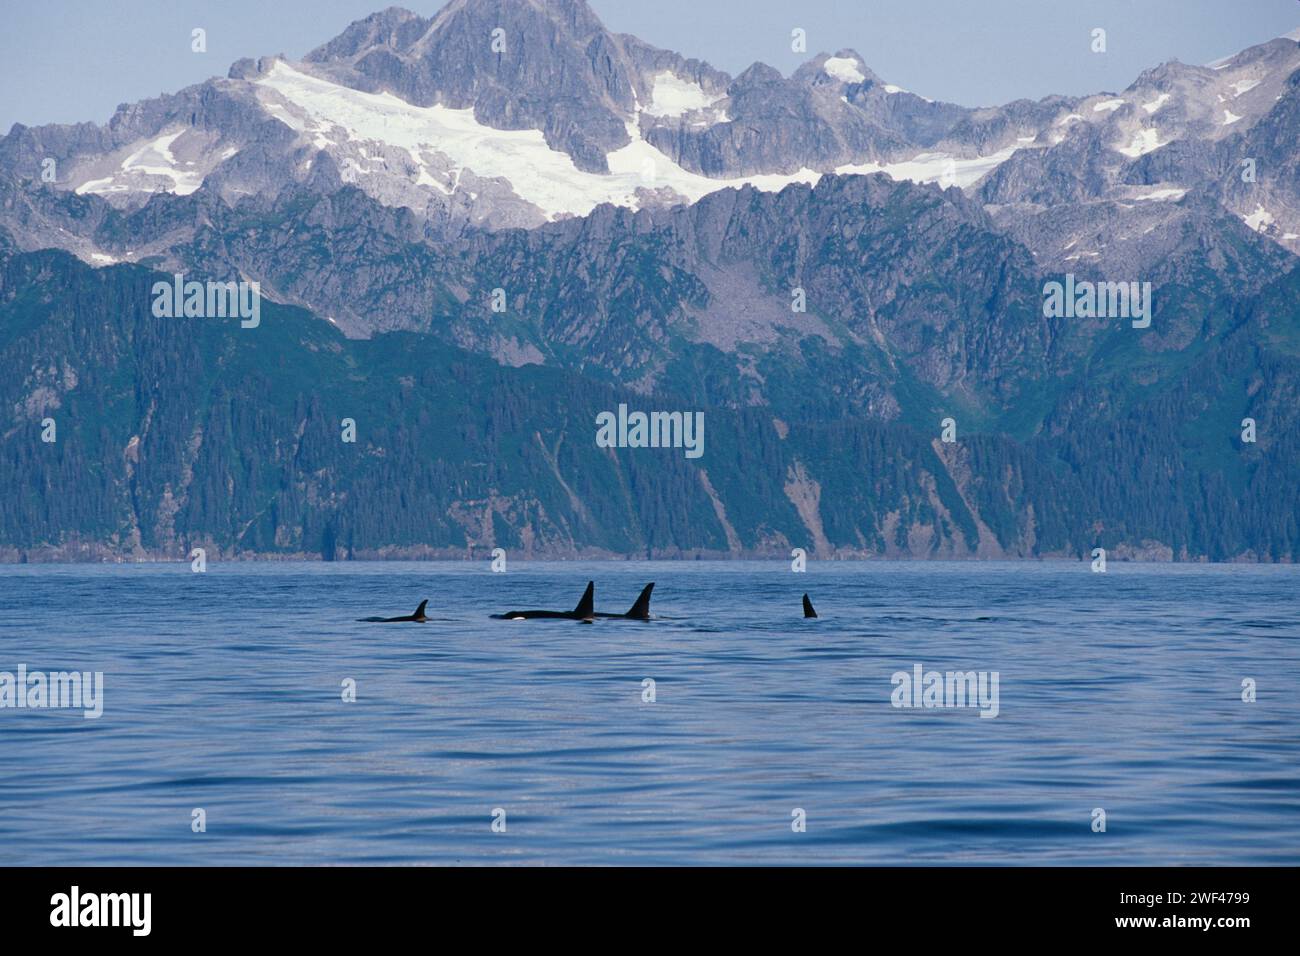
(394, 27)
(844, 68)
(548, 65)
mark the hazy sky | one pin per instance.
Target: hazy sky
(70, 60)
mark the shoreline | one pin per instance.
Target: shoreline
(486, 557)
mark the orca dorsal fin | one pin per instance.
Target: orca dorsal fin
(587, 606)
(641, 609)
(419, 611)
(808, 608)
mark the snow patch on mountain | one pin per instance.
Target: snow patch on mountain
(1161, 194)
(845, 69)
(1155, 104)
(1143, 142)
(1259, 219)
(935, 168)
(672, 96)
(538, 174)
(141, 168)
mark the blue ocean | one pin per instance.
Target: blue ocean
(729, 730)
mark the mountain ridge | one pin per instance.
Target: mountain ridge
(420, 258)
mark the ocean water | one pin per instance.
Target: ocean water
(223, 691)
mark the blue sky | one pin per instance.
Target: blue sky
(71, 60)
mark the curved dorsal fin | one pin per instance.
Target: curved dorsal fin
(587, 606)
(808, 608)
(419, 611)
(641, 609)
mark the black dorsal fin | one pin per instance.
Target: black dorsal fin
(641, 609)
(419, 611)
(587, 606)
(808, 608)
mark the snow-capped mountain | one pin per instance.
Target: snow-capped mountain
(826, 262)
(505, 113)
(551, 115)
(1110, 186)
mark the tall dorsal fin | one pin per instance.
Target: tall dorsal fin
(419, 611)
(808, 608)
(587, 606)
(641, 609)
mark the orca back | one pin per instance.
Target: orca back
(641, 609)
(587, 606)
